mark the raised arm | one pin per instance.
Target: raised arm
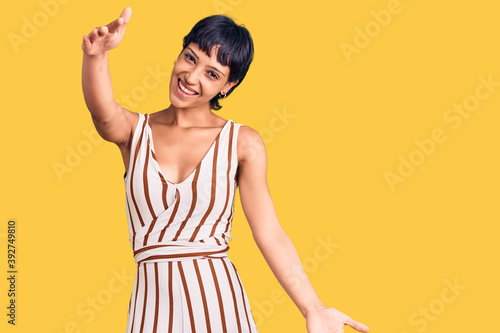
(112, 122)
(275, 245)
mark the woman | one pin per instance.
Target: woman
(183, 165)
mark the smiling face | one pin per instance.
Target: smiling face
(197, 78)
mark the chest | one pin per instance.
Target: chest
(179, 152)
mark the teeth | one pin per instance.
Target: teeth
(185, 89)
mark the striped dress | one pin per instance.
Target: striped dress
(185, 282)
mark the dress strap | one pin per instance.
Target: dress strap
(135, 138)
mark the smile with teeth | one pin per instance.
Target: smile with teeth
(186, 90)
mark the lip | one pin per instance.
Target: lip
(182, 93)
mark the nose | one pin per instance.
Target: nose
(192, 77)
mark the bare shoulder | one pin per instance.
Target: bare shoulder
(250, 145)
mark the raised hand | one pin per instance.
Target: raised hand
(330, 320)
(106, 37)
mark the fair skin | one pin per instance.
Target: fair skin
(185, 130)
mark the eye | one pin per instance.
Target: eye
(189, 57)
(213, 75)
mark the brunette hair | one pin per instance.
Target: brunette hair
(235, 47)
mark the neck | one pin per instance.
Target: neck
(188, 117)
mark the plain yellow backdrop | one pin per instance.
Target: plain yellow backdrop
(381, 125)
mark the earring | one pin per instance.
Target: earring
(222, 96)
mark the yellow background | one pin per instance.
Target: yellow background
(351, 120)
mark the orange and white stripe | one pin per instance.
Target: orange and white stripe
(185, 282)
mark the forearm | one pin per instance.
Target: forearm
(96, 85)
(282, 258)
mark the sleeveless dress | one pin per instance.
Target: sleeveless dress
(185, 282)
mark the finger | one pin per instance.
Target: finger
(103, 31)
(93, 35)
(113, 26)
(122, 21)
(86, 42)
(357, 325)
(125, 15)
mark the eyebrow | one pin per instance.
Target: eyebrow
(215, 68)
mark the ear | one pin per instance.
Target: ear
(229, 85)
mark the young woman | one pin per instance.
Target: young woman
(183, 165)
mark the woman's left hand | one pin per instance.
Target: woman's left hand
(330, 320)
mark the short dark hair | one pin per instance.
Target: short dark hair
(235, 51)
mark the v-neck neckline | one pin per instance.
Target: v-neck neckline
(157, 165)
